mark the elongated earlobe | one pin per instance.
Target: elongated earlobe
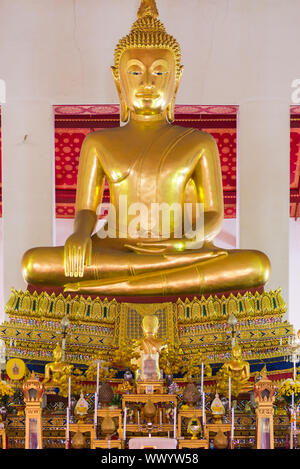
(171, 111)
(124, 111)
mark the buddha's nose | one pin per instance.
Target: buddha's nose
(148, 79)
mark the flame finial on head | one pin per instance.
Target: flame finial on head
(148, 7)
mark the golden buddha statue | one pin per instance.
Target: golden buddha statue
(148, 348)
(57, 373)
(150, 163)
(239, 371)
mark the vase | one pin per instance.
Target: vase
(220, 440)
(78, 440)
(149, 410)
(108, 426)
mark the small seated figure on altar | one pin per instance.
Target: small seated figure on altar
(152, 168)
(126, 387)
(238, 370)
(148, 348)
(57, 373)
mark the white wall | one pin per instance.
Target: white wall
(234, 51)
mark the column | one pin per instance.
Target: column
(263, 184)
(27, 182)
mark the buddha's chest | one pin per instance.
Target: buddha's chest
(156, 173)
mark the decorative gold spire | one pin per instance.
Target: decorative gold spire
(148, 31)
(148, 7)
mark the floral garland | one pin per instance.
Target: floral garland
(288, 388)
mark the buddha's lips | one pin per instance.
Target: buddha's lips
(147, 96)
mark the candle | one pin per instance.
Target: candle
(229, 392)
(138, 420)
(98, 372)
(69, 393)
(232, 426)
(68, 426)
(203, 411)
(124, 429)
(175, 418)
(96, 409)
(160, 419)
(202, 376)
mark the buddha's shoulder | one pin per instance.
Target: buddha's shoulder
(198, 136)
(103, 134)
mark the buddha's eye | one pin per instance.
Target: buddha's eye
(159, 74)
(134, 72)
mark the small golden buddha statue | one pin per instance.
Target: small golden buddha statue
(57, 373)
(148, 348)
(147, 163)
(239, 371)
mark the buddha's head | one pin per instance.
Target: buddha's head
(147, 68)
(57, 353)
(236, 351)
(150, 325)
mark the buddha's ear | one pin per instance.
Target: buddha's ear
(124, 112)
(178, 78)
(115, 75)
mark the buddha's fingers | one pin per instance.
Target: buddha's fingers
(72, 253)
(88, 253)
(77, 261)
(81, 263)
(70, 261)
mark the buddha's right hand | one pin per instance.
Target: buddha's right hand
(77, 254)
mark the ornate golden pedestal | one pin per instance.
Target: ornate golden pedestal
(143, 398)
(33, 326)
(106, 444)
(150, 387)
(185, 443)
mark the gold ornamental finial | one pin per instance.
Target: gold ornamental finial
(148, 31)
(148, 7)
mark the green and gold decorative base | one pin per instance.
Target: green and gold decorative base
(33, 325)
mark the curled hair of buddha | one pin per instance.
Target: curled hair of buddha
(148, 31)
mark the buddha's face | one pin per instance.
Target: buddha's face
(147, 80)
(150, 325)
(236, 353)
